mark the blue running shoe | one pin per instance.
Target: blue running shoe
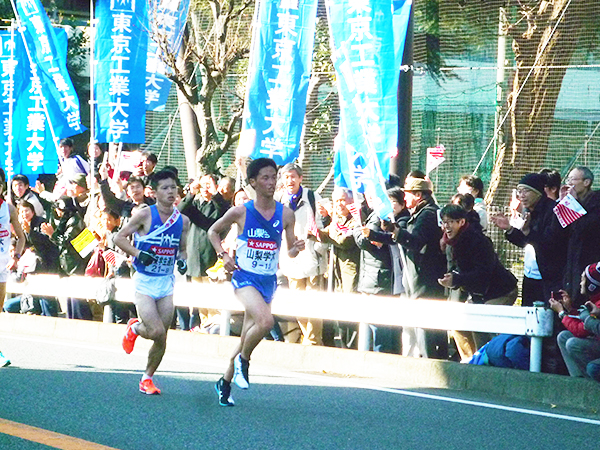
(4, 361)
(223, 389)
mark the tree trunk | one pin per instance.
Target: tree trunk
(189, 124)
(532, 114)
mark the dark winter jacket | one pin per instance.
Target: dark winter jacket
(375, 274)
(583, 246)
(68, 228)
(548, 239)
(43, 247)
(478, 271)
(202, 214)
(425, 262)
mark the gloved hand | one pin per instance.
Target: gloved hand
(182, 266)
(146, 258)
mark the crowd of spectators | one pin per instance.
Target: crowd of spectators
(424, 252)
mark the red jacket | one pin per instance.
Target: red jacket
(575, 326)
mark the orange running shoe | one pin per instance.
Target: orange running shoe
(147, 387)
(130, 337)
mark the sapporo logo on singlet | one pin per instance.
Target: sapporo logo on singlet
(261, 250)
(165, 255)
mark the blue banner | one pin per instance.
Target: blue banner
(366, 58)
(33, 145)
(279, 73)
(168, 21)
(121, 51)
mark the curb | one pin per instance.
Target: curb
(390, 370)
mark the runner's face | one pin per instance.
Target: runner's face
(265, 181)
(166, 191)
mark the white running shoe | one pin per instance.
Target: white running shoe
(240, 372)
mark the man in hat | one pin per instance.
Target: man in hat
(424, 263)
(541, 229)
(584, 240)
(77, 189)
(579, 343)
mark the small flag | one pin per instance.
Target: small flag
(85, 243)
(435, 156)
(355, 211)
(312, 227)
(568, 210)
(110, 257)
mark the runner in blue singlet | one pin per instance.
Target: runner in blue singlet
(262, 223)
(159, 233)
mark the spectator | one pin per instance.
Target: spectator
(552, 183)
(425, 264)
(135, 194)
(542, 230)
(20, 191)
(96, 154)
(45, 249)
(305, 271)
(475, 269)
(69, 225)
(147, 166)
(470, 184)
(583, 246)
(345, 258)
(376, 277)
(203, 205)
(70, 165)
(467, 202)
(388, 336)
(580, 343)
(226, 188)
(78, 190)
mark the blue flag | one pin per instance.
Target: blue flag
(280, 60)
(168, 20)
(51, 68)
(121, 51)
(33, 144)
(366, 60)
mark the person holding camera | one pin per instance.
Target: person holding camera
(580, 343)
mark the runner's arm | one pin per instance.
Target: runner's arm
(234, 215)
(294, 244)
(183, 239)
(137, 222)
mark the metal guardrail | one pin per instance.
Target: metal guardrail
(535, 322)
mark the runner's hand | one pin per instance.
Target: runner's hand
(182, 266)
(146, 258)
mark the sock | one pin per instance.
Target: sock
(225, 382)
(146, 377)
(134, 328)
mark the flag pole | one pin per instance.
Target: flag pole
(92, 94)
(11, 100)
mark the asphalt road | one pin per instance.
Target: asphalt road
(90, 392)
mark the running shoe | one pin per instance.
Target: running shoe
(147, 387)
(240, 372)
(224, 392)
(4, 361)
(130, 337)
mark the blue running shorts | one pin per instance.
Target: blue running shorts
(264, 284)
(154, 287)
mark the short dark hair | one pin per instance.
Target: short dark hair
(164, 174)
(466, 201)
(552, 178)
(474, 182)
(150, 156)
(111, 213)
(393, 181)
(454, 212)
(396, 193)
(67, 142)
(22, 178)
(26, 204)
(416, 174)
(256, 165)
(134, 179)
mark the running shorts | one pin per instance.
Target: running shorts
(154, 287)
(264, 284)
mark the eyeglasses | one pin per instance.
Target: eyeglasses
(523, 191)
(570, 180)
(448, 222)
